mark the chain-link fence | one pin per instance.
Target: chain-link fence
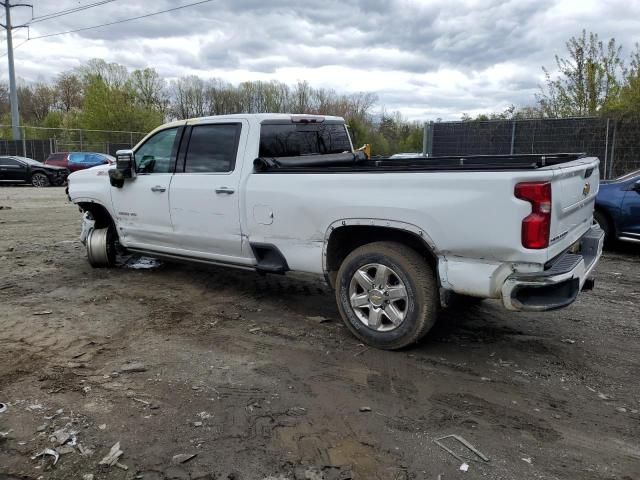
(615, 142)
(39, 142)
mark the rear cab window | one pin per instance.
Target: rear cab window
(289, 139)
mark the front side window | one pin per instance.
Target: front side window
(212, 148)
(295, 139)
(155, 155)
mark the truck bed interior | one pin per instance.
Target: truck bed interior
(357, 162)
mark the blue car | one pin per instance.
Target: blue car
(618, 208)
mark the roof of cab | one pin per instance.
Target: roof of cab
(258, 117)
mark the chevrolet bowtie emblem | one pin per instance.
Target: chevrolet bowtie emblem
(586, 189)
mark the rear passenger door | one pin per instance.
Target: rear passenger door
(205, 190)
(12, 170)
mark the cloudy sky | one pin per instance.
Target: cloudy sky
(426, 58)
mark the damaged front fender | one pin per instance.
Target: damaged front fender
(88, 224)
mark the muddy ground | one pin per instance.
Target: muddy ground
(239, 370)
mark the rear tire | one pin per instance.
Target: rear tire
(40, 180)
(101, 247)
(387, 295)
(603, 221)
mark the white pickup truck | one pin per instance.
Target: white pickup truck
(276, 193)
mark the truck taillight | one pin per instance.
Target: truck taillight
(537, 225)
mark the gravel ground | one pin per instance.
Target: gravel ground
(258, 378)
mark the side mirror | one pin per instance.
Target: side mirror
(125, 163)
(636, 186)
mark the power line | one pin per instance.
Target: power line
(68, 11)
(17, 46)
(122, 21)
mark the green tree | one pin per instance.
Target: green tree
(586, 80)
(108, 107)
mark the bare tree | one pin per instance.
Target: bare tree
(150, 89)
(69, 90)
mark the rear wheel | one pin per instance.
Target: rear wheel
(101, 247)
(603, 222)
(40, 180)
(387, 295)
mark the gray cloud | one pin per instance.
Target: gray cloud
(432, 57)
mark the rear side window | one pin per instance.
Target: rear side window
(9, 162)
(212, 148)
(293, 139)
(77, 158)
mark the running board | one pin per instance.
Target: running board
(188, 259)
(629, 239)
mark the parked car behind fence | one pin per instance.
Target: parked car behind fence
(26, 170)
(617, 209)
(78, 160)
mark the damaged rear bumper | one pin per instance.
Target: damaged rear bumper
(560, 283)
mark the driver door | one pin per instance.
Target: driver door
(141, 206)
(630, 224)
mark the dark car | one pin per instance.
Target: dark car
(78, 160)
(618, 208)
(27, 170)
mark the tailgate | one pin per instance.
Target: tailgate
(574, 189)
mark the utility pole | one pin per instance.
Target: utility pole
(13, 93)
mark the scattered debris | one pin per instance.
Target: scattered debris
(139, 400)
(365, 409)
(621, 410)
(122, 466)
(602, 396)
(47, 452)
(43, 312)
(568, 340)
(42, 428)
(84, 451)
(62, 436)
(319, 319)
(527, 459)
(102, 427)
(6, 434)
(66, 450)
(112, 457)
(87, 476)
(254, 330)
(3, 407)
(183, 458)
(197, 424)
(464, 467)
(142, 263)
(4, 207)
(57, 414)
(133, 368)
(438, 441)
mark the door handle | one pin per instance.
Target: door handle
(227, 190)
(158, 188)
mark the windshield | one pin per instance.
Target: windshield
(295, 139)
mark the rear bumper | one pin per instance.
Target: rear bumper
(558, 285)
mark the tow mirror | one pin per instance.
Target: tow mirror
(125, 163)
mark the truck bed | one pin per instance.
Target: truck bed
(349, 162)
